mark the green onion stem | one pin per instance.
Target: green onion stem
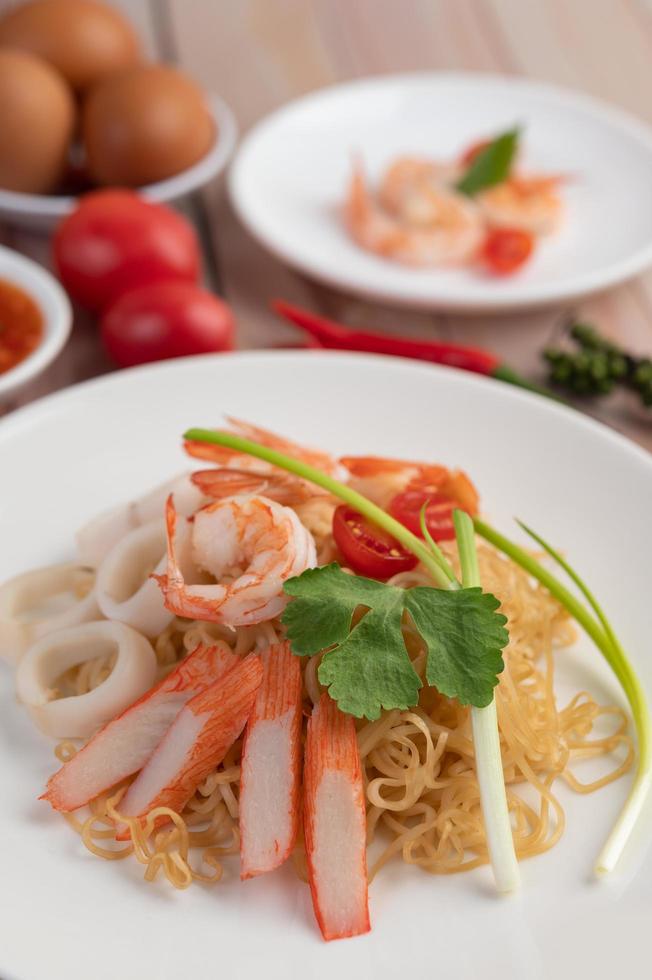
(439, 555)
(486, 741)
(602, 634)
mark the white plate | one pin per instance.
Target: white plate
(57, 317)
(290, 174)
(67, 915)
(44, 211)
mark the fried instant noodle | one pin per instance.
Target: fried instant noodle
(423, 802)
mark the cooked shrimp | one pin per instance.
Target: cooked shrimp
(530, 203)
(439, 227)
(409, 178)
(381, 479)
(281, 487)
(230, 457)
(251, 545)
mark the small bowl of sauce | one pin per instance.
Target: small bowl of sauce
(35, 320)
(21, 325)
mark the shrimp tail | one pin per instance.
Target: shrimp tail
(172, 583)
(281, 487)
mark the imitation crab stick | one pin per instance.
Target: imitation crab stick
(124, 745)
(196, 742)
(334, 823)
(270, 775)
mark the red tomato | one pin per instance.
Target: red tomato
(166, 319)
(115, 240)
(366, 548)
(506, 249)
(472, 152)
(406, 507)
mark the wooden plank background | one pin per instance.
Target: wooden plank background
(259, 54)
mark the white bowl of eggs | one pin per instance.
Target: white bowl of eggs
(80, 110)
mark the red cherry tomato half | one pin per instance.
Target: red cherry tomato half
(472, 152)
(506, 249)
(406, 507)
(166, 319)
(115, 240)
(366, 549)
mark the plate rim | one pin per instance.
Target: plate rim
(20, 417)
(540, 296)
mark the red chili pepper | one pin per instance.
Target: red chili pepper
(335, 336)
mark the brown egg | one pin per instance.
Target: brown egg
(37, 118)
(84, 39)
(144, 125)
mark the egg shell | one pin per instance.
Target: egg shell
(37, 114)
(144, 125)
(84, 39)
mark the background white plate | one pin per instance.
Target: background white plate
(291, 172)
(69, 916)
(44, 211)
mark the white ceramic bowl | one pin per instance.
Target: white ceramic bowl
(57, 317)
(44, 211)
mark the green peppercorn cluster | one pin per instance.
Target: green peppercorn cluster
(596, 365)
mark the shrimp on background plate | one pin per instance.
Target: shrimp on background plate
(529, 203)
(436, 226)
(411, 182)
(473, 209)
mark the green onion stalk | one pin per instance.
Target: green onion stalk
(600, 631)
(486, 741)
(484, 720)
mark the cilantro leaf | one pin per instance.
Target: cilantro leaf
(464, 635)
(329, 597)
(369, 668)
(366, 666)
(491, 166)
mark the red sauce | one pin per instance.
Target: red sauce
(21, 325)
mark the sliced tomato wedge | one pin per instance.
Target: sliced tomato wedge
(406, 507)
(506, 249)
(366, 549)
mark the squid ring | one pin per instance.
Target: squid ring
(80, 715)
(96, 539)
(41, 601)
(125, 591)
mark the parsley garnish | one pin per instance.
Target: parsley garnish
(491, 166)
(368, 667)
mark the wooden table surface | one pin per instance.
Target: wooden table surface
(258, 54)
